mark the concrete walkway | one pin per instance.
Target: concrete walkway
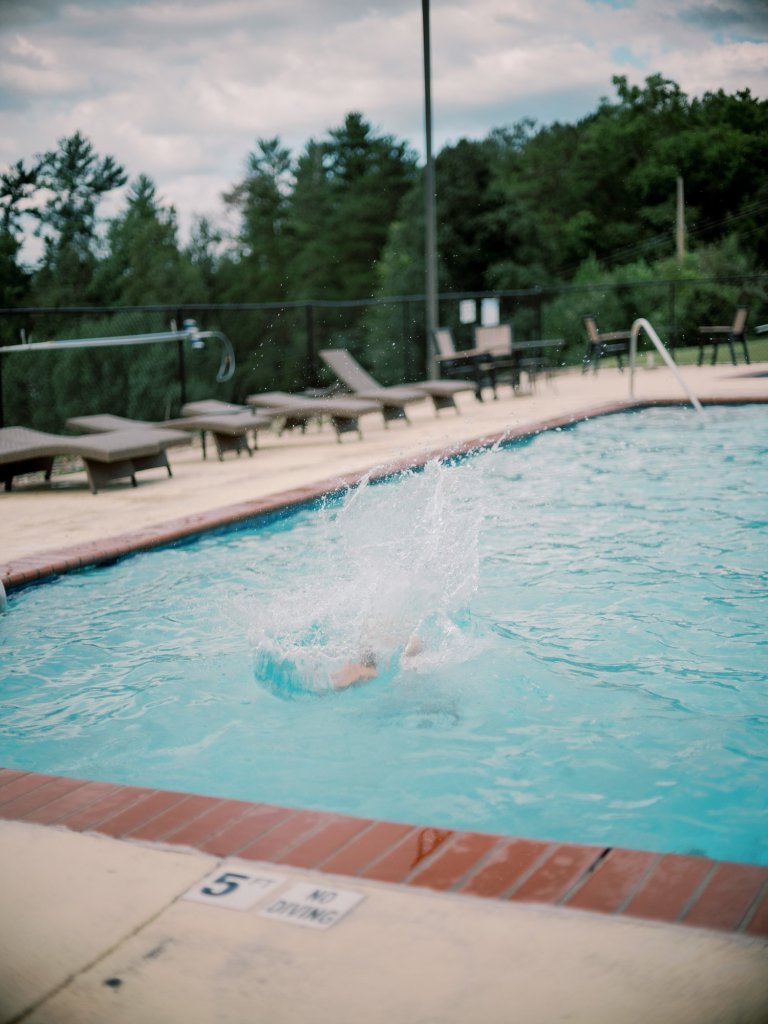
(96, 930)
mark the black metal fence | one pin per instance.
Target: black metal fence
(277, 345)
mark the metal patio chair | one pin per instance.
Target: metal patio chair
(725, 334)
(603, 343)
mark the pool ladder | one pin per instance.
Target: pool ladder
(641, 324)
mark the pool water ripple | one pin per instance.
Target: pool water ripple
(592, 606)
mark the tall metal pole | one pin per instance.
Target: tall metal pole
(680, 224)
(430, 214)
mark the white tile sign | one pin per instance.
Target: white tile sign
(234, 886)
(489, 312)
(313, 906)
(467, 311)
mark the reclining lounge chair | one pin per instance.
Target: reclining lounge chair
(296, 410)
(229, 430)
(114, 456)
(393, 399)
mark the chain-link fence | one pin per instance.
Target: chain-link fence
(277, 345)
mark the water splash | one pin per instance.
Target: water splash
(389, 566)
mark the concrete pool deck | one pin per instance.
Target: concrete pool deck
(93, 928)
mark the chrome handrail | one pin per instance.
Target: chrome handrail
(642, 324)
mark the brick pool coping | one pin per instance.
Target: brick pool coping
(674, 888)
(668, 887)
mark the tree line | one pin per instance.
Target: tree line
(525, 206)
(584, 211)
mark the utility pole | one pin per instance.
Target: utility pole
(430, 215)
(680, 225)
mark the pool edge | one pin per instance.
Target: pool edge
(668, 888)
(672, 888)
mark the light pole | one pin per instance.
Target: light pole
(430, 215)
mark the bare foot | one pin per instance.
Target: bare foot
(352, 673)
(414, 646)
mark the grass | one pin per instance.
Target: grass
(688, 356)
(758, 352)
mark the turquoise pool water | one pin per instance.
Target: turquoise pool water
(592, 610)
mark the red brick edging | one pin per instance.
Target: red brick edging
(668, 887)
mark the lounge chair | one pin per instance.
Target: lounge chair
(116, 455)
(393, 399)
(211, 407)
(725, 334)
(603, 343)
(229, 430)
(297, 410)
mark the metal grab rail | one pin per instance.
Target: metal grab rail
(189, 333)
(644, 325)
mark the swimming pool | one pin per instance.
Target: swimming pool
(590, 604)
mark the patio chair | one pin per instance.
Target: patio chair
(453, 362)
(393, 399)
(725, 334)
(116, 455)
(229, 430)
(603, 343)
(496, 343)
(296, 410)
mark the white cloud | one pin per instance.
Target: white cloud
(29, 53)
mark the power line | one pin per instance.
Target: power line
(666, 238)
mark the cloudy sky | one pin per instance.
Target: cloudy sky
(182, 90)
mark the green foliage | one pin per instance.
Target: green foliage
(261, 200)
(74, 180)
(17, 186)
(14, 280)
(674, 298)
(607, 185)
(143, 264)
(580, 217)
(202, 254)
(347, 193)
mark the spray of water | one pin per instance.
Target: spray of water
(392, 571)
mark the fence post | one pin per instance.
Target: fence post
(672, 314)
(182, 360)
(539, 319)
(313, 371)
(405, 333)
